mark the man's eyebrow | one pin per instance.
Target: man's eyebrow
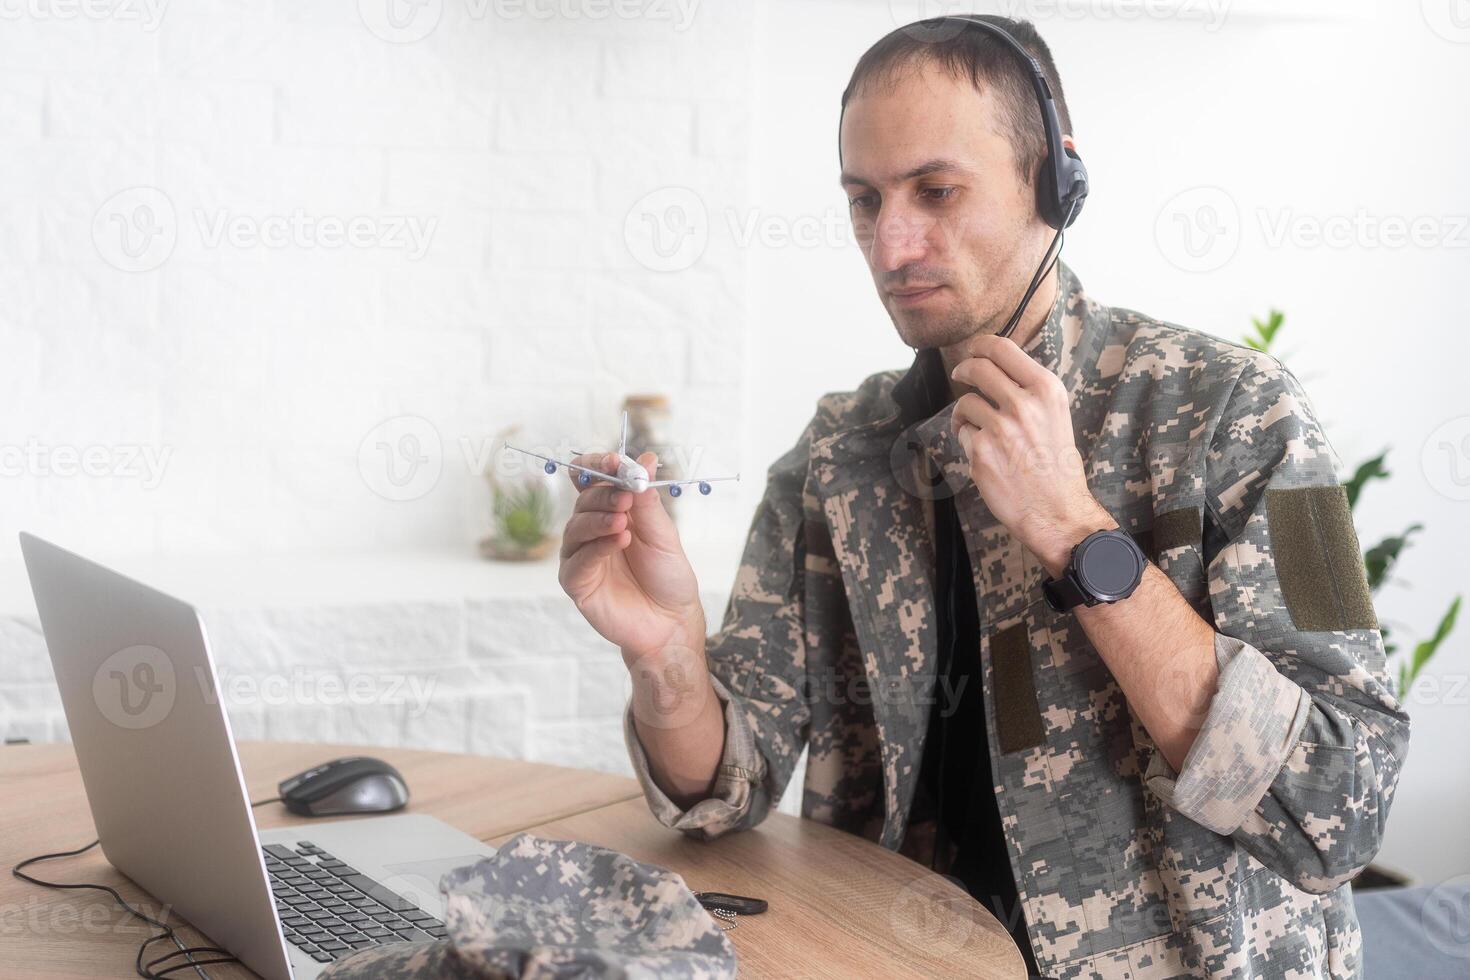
(922, 170)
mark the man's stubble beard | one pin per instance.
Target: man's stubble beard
(938, 330)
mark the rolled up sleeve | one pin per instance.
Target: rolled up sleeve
(736, 800)
(1301, 748)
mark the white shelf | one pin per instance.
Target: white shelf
(261, 581)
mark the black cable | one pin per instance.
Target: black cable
(143, 969)
(1043, 269)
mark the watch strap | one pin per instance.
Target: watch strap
(1064, 593)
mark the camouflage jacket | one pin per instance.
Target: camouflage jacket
(1211, 455)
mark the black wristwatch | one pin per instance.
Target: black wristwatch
(1106, 566)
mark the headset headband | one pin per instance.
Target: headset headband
(1062, 183)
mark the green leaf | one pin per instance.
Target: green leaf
(1370, 470)
(1427, 649)
(1380, 558)
(1265, 331)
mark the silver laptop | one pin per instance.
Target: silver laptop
(163, 780)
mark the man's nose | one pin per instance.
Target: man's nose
(899, 238)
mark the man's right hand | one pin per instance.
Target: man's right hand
(624, 567)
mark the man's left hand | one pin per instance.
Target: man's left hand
(1017, 433)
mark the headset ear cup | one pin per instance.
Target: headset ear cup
(1048, 203)
(1073, 179)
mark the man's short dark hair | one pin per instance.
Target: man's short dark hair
(983, 59)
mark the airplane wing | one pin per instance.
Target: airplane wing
(680, 483)
(595, 474)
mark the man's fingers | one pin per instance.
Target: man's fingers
(603, 498)
(988, 377)
(589, 526)
(1013, 362)
(580, 574)
(972, 409)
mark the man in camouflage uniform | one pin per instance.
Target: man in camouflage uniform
(1188, 778)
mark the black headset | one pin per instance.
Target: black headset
(1061, 186)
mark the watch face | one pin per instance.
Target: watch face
(1108, 567)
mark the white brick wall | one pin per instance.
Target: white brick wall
(515, 136)
(487, 660)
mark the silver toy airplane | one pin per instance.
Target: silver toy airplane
(631, 474)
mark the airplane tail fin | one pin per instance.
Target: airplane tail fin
(623, 438)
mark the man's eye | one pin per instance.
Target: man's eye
(938, 193)
(860, 203)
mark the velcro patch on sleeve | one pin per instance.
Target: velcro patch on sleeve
(1018, 722)
(1172, 528)
(1318, 561)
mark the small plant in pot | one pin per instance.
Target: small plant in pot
(523, 512)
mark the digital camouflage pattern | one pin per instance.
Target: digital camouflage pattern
(542, 909)
(1235, 867)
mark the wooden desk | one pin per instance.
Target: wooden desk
(840, 906)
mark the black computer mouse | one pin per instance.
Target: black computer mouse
(357, 784)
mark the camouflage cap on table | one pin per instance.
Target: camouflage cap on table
(543, 909)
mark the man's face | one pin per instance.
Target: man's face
(949, 229)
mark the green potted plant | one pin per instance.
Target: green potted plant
(523, 512)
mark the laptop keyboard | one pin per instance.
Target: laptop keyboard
(329, 909)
